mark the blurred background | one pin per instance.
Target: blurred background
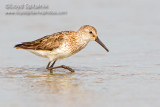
(126, 76)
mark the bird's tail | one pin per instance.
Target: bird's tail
(24, 45)
(19, 46)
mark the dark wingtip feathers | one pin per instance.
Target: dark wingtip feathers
(19, 46)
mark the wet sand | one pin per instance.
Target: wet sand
(127, 76)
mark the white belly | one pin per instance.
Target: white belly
(52, 55)
(41, 53)
(62, 52)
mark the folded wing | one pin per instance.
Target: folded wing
(48, 42)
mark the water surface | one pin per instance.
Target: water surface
(127, 76)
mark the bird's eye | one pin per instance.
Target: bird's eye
(90, 32)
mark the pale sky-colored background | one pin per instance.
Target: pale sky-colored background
(126, 76)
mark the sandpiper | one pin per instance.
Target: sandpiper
(62, 45)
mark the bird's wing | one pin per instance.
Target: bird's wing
(49, 42)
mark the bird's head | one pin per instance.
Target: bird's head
(90, 33)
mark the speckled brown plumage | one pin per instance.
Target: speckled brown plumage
(62, 44)
(48, 42)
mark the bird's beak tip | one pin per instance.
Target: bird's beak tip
(99, 41)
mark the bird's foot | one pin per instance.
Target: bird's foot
(62, 66)
(66, 67)
(50, 69)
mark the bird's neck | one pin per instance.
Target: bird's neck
(82, 39)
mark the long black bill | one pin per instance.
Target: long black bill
(99, 41)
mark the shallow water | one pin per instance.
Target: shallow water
(127, 76)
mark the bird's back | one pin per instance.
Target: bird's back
(49, 42)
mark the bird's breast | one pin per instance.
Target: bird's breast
(78, 47)
(69, 47)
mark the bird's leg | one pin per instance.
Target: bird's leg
(62, 66)
(48, 65)
(53, 63)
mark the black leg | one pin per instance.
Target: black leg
(53, 63)
(62, 66)
(48, 65)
